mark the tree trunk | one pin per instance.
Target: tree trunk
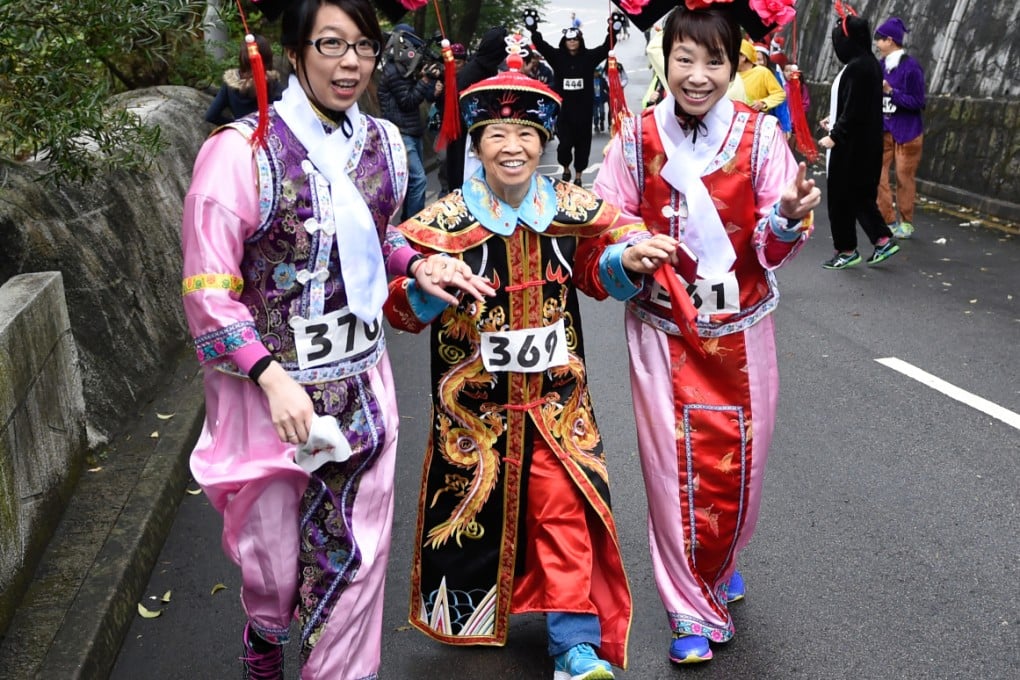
(214, 30)
(470, 16)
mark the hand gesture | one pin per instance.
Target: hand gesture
(646, 256)
(290, 407)
(436, 274)
(800, 197)
(826, 142)
(824, 124)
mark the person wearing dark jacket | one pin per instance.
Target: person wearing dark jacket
(854, 146)
(484, 63)
(237, 93)
(573, 67)
(400, 97)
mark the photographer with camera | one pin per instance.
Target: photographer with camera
(408, 78)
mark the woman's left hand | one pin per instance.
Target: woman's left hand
(436, 274)
(800, 197)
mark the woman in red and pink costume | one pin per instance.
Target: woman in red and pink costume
(718, 177)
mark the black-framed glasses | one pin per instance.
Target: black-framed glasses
(330, 46)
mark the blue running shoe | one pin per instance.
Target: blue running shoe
(735, 588)
(690, 649)
(903, 230)
(580, 663)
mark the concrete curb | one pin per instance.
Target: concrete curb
(73, 619)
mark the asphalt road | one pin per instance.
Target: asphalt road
(889, 538)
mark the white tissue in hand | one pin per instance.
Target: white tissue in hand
(325, 444)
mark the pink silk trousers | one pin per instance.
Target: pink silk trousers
(250, 476)
(693, 605)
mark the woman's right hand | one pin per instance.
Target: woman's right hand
(824, 123)
(437, 273)
(289, 405)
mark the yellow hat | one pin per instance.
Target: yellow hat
(747, 49)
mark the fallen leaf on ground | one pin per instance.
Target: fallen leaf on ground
(165, 416)
(96, 469)
(148, 613)
(217, 588)
(154, 435)
(193, 492)
(166, 597)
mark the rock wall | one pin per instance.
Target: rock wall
(42, 424)
(969, 51)
(117, 243)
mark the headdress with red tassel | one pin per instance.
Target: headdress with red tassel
(757, 17)
(803, 140)
(450, 128)
(618, 108)
(511, 97)
(258, 76)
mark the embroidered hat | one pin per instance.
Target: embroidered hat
(892, 28)
(511, 97)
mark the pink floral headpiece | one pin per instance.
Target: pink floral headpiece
(771, 12)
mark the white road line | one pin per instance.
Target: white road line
(950, 390)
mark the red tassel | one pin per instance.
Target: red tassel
(258, 74)
(802, 137)
(617, 101)
(450, 128)
(684, 314)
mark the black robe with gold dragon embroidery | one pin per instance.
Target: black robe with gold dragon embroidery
(483, 424)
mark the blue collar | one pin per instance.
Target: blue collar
(536, 211)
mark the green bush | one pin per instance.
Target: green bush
(62, 60)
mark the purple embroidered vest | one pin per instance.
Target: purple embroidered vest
(290, 265)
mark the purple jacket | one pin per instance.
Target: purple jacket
(902, 109)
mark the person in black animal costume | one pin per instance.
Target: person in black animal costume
(573, 67)
(854, 145)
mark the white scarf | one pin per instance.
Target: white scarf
(892, 60)
(357, 241)
(685, 163)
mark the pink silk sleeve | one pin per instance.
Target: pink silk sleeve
(777, 169)
(617, 185)
(221, 210)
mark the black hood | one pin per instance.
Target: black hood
(855, 42)
(580, 41)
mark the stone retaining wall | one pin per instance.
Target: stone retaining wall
(42, 425)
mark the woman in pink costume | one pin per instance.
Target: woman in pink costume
(287, 252)
(718, 177)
